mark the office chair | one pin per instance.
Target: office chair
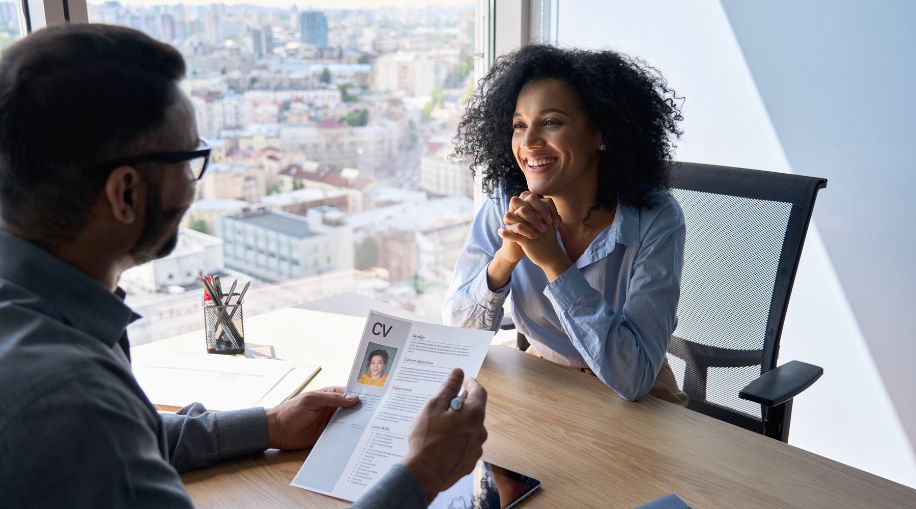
(745, 232)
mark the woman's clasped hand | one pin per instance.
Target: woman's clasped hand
(531, 226)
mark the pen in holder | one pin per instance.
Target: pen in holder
(223, 318)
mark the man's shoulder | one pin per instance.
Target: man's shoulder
(81, 435)
(43, 360)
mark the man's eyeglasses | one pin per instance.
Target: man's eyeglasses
(197, 159)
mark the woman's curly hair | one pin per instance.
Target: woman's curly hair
(627, 100)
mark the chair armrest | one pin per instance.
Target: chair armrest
(507, 323)
(779, 385)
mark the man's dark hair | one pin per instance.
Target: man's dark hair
(626, 100)
(71, 97)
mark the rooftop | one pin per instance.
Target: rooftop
(219, 205)
(415, 215)
(287, 224)
(301, 196)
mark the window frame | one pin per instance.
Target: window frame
(38, 14)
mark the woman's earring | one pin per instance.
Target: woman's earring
(603, 147)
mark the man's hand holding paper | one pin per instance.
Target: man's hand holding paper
(297, 423)
(445, 444)
(404, 416)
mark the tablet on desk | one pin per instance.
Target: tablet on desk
(489, 486)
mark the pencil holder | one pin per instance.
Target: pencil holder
(221, 337)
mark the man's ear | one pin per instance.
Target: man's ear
(123, 191)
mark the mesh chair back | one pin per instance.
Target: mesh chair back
(745, 232)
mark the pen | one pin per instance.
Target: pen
(231, 289)
(244, 289)
(221, 309)
(238, 303)
(299, 389)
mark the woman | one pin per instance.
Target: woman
(579, 231)
(375, 369)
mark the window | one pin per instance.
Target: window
(309, 115)
(10, 23)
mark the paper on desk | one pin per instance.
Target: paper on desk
(219, 382)
(360, 444)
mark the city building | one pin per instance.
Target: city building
(301, 200)
(313, 28)
(218, 149)
(413, 239)
(9, 17)
(267, 33)
(275, 246)
(311, 175)
(204, 214)
(440, 176)
(167, 27)
(369, 148)
(196, 252)
(410, 73)
(379, 197)
(254, 136)
(216, 111)
(234, 181)
(266, 106)
(257, 42)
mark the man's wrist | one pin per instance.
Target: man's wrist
(272, 429)
(427, 482)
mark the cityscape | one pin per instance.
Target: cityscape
(9, 24)
(330, 172)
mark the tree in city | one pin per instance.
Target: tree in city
(460, 72)
(366, 254)
(435, 100)
(356, 118)
(416, 283)
(345, 95)
(200, 225)
(325, 76)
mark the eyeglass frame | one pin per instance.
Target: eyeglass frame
(181, 156)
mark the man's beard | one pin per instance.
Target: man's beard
(156, 240)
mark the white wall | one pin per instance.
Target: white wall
(847, 415)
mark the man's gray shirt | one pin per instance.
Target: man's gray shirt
(75, 428)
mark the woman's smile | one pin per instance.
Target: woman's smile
(541, 164)
(554, 144)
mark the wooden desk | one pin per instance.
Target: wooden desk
(588, 447)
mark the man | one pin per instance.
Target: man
(99, 154)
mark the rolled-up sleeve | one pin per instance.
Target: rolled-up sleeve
(470, 302)
(626, 349)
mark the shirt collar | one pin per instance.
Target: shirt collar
(69, 292)
(624, 229)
